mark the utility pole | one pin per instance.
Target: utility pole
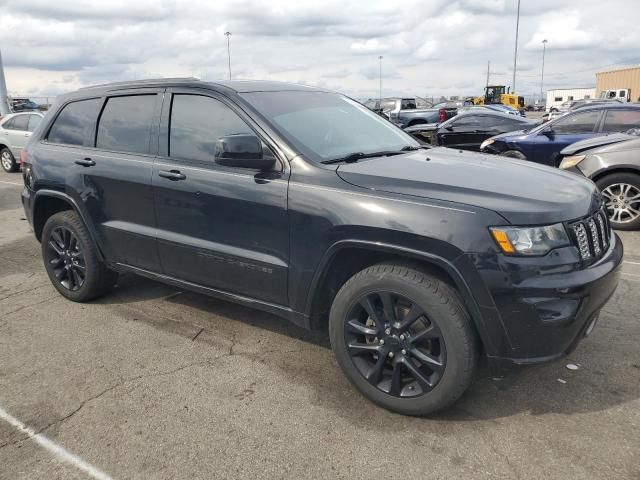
(4, 98)
(380, 60)
(488, 67)
(228, 34)
(544, 49)
(515, 51)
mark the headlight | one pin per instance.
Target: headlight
(530, 240)
(572, 161)
(486, 143)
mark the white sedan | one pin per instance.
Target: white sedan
(15, 130)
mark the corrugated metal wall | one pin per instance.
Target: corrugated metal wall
(616, 79)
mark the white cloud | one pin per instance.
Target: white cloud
(437, 46)
(373, 45)
(563, 30)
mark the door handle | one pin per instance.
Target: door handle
(172, 174)
(85, 162)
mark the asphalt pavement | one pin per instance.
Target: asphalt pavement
(152, 382)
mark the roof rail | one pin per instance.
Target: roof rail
(141, 82)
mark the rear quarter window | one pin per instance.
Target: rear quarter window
(75, 123)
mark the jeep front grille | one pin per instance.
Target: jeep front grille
(592, 235)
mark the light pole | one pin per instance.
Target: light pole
(515, 51)
(380, 60)
(4, 100)
(228, 34)
(544, 49)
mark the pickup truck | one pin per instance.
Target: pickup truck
(404, 112)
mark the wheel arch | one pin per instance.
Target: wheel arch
(50, 202)
(635, 170)
(339, 263)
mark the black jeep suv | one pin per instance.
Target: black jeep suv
(304, 203)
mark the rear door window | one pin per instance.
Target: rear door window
(621, 120)
(197, 122)
(125, 123)
(20, 122)
(75, 123)
(583, 122)
(467, 122)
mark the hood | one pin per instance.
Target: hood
(524, 193)
(515, 133)
(627, 145)
(596, 142)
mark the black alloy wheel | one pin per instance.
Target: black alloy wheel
(66, 258)
(394, 345)
(403, 338)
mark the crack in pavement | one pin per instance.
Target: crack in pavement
(11, 312)
(119, 384)
(19, 292)
(124, 382)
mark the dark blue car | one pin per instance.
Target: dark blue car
(543, 144)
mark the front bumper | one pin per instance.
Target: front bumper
(545, 305)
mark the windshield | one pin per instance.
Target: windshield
(326, 126)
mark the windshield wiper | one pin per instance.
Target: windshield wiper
(354, 157)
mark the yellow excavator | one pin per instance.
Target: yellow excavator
(496, 94)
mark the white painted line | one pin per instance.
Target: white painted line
(59, 452)
(631, 263)
(12, 183)
(630, 274)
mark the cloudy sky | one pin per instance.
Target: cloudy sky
(430, 47)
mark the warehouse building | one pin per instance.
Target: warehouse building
(621, 79)
(559, 96)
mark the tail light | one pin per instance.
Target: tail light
(24, 157)
(442, 115)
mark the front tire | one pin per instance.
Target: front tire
(621, 192)
(71, 259)
(8, 161)
(403, 339)
(513, 154)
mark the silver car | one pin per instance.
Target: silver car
(15, 130)
(613, 163)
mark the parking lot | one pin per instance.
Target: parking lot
(152, 382)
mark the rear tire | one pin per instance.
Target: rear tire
(403, 339)
(71, 259)
(621, 192)
(513, 154)
(8, 161)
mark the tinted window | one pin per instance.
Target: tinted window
(621, 120)
(583, 122)
(467, 121)
(34, 121)
(408, 104)
(75, 123)
(20, 122)
(125, 123)
(197, 122)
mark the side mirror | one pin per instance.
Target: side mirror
(548, 132)
(449, 128)
(242, 150)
